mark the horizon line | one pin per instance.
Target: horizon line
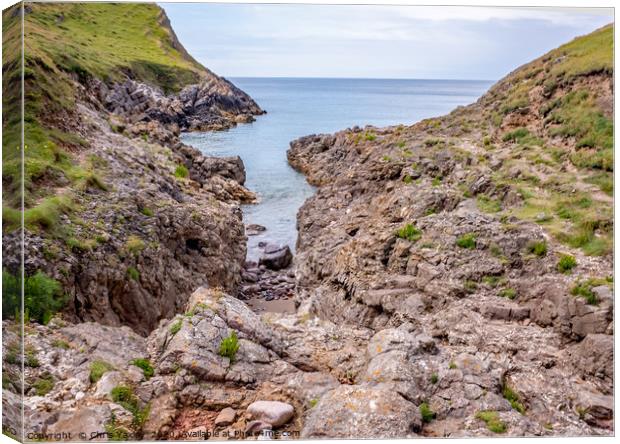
(357, 78)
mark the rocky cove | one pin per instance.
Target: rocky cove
(426, 300)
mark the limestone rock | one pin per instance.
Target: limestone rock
(275, 413)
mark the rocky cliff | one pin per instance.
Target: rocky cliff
(453, 279)
(128, 219)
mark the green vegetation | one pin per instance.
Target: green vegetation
(125, 397)
(436, 181)
(114, 432)
(492, 420)
(467, 241)
(313, 402)
(427, 414)
(566, 263)
(229, 346)
(488, 205)
(146, 367)
(408, 180)
(409, 232)
(538, 248)
(584, 289)
(97, 369)
(43, 385)
(59, 343)
(470, 286)
(134, 245)
(577, 115)
(434, 378)
(147, 212)
(491, 281)
(509, 293)
(133, 273)
(452, 365)
(181, 172)
(174, 328)
(370, 136)
(42, 296)
(70, 43)
(604, 180)
(514, 399)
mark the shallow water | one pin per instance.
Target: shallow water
(298, 107)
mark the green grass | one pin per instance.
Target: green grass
(370, 136)
(59, 343)
(181, 172)
(467, 241)
(43, 385)
(147, 212)
(97, 370)
(146, 367)
(133, 273)
(176, 327)
(577, 116)
(488, 205)
(425, 411)
(514, 399)
(134, 245)
(584, 289)
(105, 41)
(124, 396)
(604, 180)
(434, 378)
(436, 181)
(566, 263)
(470, 286)
(229, 346)
(452, 365)
(509, 293)
(409, 232)
(538, 248)
(492, 420)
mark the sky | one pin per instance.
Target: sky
(419, 42)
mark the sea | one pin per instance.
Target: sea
(301, 106)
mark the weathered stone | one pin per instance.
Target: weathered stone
(226, 417)
(275, 413)
(276, 257)
(355, 411)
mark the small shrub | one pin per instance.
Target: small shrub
(452, 365)
(146, 367)
(470, 286)
(313, 402)
(181, 172)
(492, 420)
(539, 248)
(147, 212)
(114, 432)
(400, 144)
(584, 289)
(434, 378)
(31, 359)
(59, 343)
(407, 180)
(491, 281)
(133, 273)
(42, 296)
(427, 414)
(370, 136)
(409, 232)
(511, 396)
(125, 397)
(516, 135)
(229, 346)
(43, 385)
(97, 370)
(174, 328)
(566, 263)
(509, 293)
(467, 241)
(134, 244)
(436, 181)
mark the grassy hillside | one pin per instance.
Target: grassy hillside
(67, 44)
(552, 120)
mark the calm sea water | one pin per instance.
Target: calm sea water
(298, 107)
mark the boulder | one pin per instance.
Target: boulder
(276, 257)
(275, 413)
(352, 411)
(226, 417)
